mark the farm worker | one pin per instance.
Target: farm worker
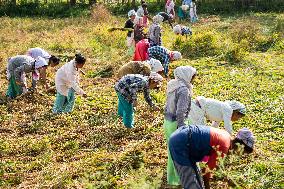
(138, 29)
(216, 111)
(183, 11)
(155, 31)
(167, 17)
(51, 59)
(170, 7)
(182, 30)
(17, 68)
(130, 34)
(128, 87)
(141, 50)
(164, 55)
(140, 67)
(142, 11)
(192, 12)
(190, 144)
(67, 83)
(179, 92)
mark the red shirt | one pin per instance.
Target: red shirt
(141, 50)
(220, 141)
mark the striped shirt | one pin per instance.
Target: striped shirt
(186, 31)
(162, 54)
(128, 86)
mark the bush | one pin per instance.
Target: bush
(199, 45)
(236, 53)
(100, 13)
(249, 34)
(40, 9)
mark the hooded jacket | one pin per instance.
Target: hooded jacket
(179, 92)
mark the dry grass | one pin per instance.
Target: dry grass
(90, 148)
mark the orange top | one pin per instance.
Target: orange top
(220, 141)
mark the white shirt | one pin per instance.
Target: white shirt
(214, 110)
(35, 52)
(68, 77)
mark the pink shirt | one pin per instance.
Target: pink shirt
(141, 50)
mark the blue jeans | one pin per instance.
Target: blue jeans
(125, 110)
(64, 104)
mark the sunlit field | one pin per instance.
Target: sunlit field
(237, 57)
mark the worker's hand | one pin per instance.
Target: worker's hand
(155, 108)
(46, 86)
(134, 103)
(25, 90)
(19, 83)
(85, 95)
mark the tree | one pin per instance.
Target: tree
(72, 2)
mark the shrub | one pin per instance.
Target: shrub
(199, 45)
(250, 32)
(236, 53)
(100, 13)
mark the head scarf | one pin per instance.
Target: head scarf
(131, 13)
(175, 55)
(156, 65)
(177, 29)
(184, 7)
(40, 62)
(246, 136)
(158, 19)
(183, 76)
(236, 105)
(156, 77)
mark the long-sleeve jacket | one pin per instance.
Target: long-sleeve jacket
(155, 34)
(213, 110)
(67, 77)
(18, 65)
(178, 105)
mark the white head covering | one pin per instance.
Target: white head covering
(158, 19)
(177, 29)
(184, 7)
(37, 51)
(131, 13)
(40, 62)
(246, 136)
(176, 55)
(236, 105)
(138, 21)
(156, 77)
(183, 76)
(156, 65)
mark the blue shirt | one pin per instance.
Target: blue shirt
(189, 144)
(162, 54)
(186, 2)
